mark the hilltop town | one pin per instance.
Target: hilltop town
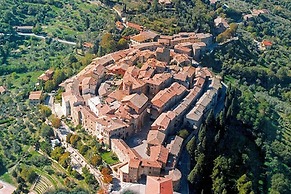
(152, 88)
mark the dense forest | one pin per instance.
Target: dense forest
(251, 137)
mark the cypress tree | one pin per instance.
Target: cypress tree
(191, 146)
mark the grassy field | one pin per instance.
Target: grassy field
(32, 76)
(107, 157)
(134, 5)
(7, 178)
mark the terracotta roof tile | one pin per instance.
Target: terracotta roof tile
(2, 89)
(159, 153)
(150, 163)
(36, 95)
(155, 137)
(159, 185)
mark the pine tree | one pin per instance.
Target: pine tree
(155, 5)
(202, 133)
(210, 119)
(191, 146)
(244, 185)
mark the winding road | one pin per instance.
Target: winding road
(44, 37)
(76, 156)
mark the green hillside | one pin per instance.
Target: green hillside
(244, 149)
(69, 20)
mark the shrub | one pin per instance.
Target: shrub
(183, 133)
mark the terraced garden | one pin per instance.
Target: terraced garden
(42, 185)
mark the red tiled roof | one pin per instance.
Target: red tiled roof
(35, 95)
(159, 153)
(144, 36)
(163, 96)
(2, 89)
(150, 163)
(159, 185)
(88, 44)
(134, 162)
(135, 26)
(155, 137)
(267, 43)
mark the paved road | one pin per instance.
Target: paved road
(184, 167)
(220, 102)
(44, 37)
(6, 188)
(76, 157)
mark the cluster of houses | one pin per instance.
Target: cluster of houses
(192, 44)
(255, 13)
(220, 24)
(154, 82)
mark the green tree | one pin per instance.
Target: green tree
(108, 43)
(72, 59)
(95, 160)
(46, 131)
(155, 5)
(46, 147)
(28, 174)
(196, 175)
(219, 176)
(244, 185)
(31, 177)
(37, 29)
(191, 147)
(183, 133)
(280, 184)
(122, 44)
(44, 110)
(65, 159)
(69, 135)
(56, 122)
(74, 140)
(83, 149)
(100, 51)
(58, 77)
(49, 85)
(57, 153)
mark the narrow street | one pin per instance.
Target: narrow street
(78, 160)
(184, 167)
(76, 156)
